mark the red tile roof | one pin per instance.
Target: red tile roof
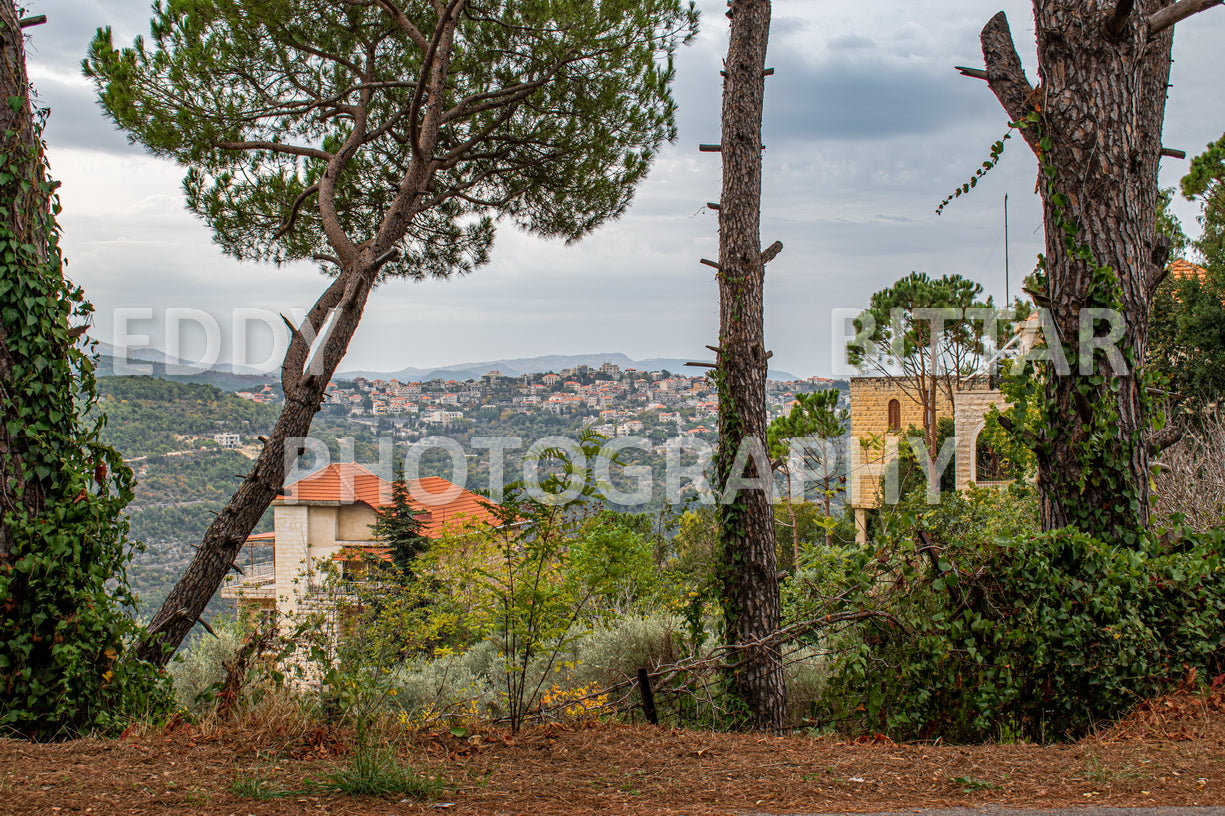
(1185, 269)
(447, 506)
(374, 552)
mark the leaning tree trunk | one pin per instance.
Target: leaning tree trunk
(1095, 124)
(746, 519)
(25, 207)
(304, 383)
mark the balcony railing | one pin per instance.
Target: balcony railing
(259, 581)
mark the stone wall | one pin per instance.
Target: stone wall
(969, 414)
(873, 444)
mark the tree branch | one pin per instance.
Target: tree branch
(1005, 74)
(1159, 21)
(1119, 19)
(771, 252)
(405, 24)
(277, 147)
(975, 73)
(293, 210)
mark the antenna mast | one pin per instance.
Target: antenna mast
(1007, 293)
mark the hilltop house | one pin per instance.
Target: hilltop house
(327, 517)
(882, 410)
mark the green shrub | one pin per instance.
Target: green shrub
(202, 667)
(1037, 636)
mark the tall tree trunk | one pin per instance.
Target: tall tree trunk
(304, 382)
(746, 520)
(23, 200)
(1100, 105)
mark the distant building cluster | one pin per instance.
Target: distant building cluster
(265, 396)
(611, 400)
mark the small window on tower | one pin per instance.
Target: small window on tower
(895, 416)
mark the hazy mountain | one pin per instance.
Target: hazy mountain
(529, 365)
(154, 363)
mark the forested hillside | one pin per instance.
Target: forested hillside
(147, 416)
(164, 429)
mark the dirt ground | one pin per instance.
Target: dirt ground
(1169, 752)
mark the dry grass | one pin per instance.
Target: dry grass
(1169, 752)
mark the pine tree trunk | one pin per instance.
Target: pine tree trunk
(746, 528)
(304, 388)
(1102, 104)
(19, 494)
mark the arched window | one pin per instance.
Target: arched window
(895, 416)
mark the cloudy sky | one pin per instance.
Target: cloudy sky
(867, 128)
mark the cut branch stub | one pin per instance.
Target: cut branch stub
(710, 148)
(1161, 20)
(711, 264)
(1005, 74)
(771, 252)
(1173, 153)
(976, 73)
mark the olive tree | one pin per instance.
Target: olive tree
(383, 139)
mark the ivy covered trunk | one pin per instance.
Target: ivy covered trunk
(746, 518)
(23, 198)
(1095, 123)
(63, 545)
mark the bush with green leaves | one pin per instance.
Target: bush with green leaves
(199, 670)
(1022, 634)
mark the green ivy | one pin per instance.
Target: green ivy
(996, 631)
(64, 633)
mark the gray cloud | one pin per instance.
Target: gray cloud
(864, 137)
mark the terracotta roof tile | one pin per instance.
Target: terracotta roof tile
(1185, 269)
(447, 506)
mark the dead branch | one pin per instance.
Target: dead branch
(1159, 21)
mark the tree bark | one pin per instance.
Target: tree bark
(20, 494)
(1101, 102)
(746, 528)
(304, 385)
(304, 376)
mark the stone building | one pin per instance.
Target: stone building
(882, 411)
(327, 517)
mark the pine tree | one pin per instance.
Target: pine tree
(399, 527)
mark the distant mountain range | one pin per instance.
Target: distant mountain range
(531, 365)
(230, 377)
(155, 363)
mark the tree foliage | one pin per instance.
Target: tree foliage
(805, 438)
(1187, 318)
(1205, 182)
(398, 525)
(997, 631)
(546, 114)
(1187, 338)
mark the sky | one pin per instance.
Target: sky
(867, 128)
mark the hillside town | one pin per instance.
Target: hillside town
(611, 400)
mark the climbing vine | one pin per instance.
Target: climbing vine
(731, 511)
(63, 586)
(997, 152)
(1104, 450)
